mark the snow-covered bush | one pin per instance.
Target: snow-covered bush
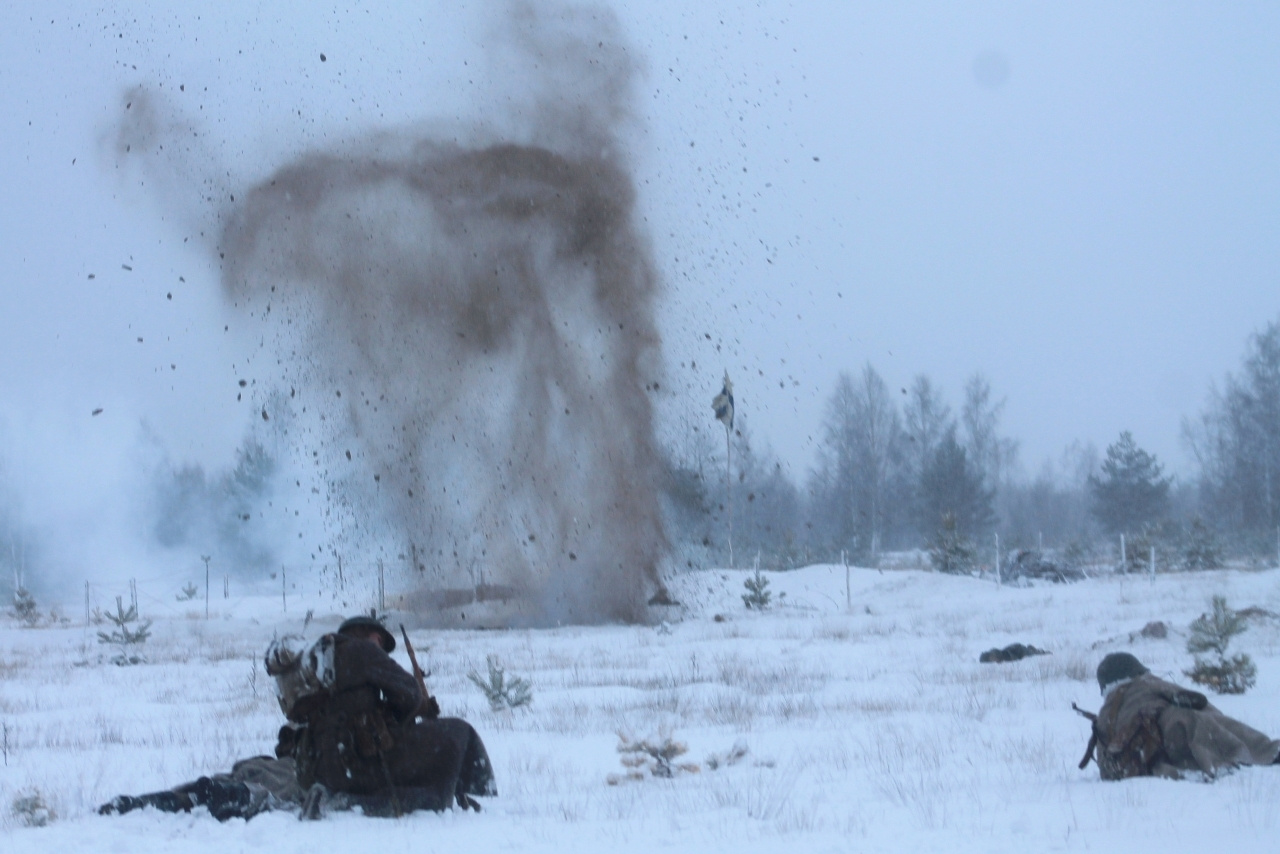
(30, 809)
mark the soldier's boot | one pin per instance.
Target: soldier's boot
(313, 803)
(225, 798)
(167, 801)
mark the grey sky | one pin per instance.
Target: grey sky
(1078, 200)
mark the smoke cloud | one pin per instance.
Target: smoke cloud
(467, 332)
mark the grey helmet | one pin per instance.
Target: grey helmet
(1117, 667)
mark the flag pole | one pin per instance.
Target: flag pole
(728, 482)
(722, 405)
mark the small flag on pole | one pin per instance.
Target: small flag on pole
(723, 403)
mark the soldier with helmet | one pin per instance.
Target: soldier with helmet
(362, 732)
(361, 726)
(1149, 727)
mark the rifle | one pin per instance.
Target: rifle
(1093, 734)
(429, 708)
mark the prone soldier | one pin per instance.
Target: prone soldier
(1148, 727)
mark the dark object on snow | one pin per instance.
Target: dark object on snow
(1155, 630)
(1012, 652)
(1148, 727)
(254, 785)
(1032, 565)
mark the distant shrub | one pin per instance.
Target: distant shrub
(30, 809)
(24, 606)
(757, 596)
(1200, 549)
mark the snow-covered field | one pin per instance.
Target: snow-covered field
(869, 728)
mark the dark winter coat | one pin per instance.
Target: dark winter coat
(362, 736)
(1150, 727)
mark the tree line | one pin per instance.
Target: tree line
(901, 471)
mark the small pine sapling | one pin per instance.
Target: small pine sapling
(188, 593)
(1212, 633)
(502, 691)
(124, 636)
(757, 596)
(655, 755)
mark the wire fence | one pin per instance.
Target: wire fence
(205, 591)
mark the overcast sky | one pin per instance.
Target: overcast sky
(1078, 200)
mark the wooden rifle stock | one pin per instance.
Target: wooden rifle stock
(1093, 734)
(428, 708)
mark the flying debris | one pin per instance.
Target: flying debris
(97, 411)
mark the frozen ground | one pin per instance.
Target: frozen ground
(870, 728)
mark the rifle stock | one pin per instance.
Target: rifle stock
(428, 707)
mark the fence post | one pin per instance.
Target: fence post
(848, 595)
(284, 590)
(998, 580)
(1124, 559)
(86, 604)
(206, 560)
(1153, 563)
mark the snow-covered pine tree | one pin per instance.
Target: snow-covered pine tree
(951, 551)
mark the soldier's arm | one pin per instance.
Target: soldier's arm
(364, 663)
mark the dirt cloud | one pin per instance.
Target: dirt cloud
(468, 334)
